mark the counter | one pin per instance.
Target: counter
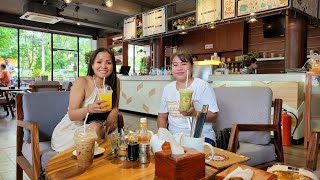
(142, 93)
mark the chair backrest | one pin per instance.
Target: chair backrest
(45, 108)
(41, 86)
(313, 148)
(244, 105)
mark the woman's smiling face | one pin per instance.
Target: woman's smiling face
(180, 68)
(102, 65)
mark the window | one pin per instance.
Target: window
(35, 56)
(37, 61)
(84, 47)
(9, 48)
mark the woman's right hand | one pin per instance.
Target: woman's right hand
(98, 107)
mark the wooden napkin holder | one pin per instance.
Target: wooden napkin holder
(190, 165)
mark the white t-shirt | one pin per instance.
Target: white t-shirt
(202, 94)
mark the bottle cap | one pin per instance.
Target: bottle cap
(143, 120)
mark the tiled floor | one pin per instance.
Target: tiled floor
(8, 141)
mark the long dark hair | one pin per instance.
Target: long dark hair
(112, 79)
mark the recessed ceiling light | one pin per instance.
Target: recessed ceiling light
(108, 3)
(67, 1)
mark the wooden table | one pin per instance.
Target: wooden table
(64, 165)
(5, 89)
(5, 93)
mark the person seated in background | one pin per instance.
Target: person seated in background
(5, 78)
(83, 101)
(171, 115)
(253, 66)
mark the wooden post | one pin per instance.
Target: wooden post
(159, 51)
(295, 40)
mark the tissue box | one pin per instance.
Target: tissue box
(190, 165)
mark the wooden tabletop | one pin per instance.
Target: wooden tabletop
(64, 166)
(15, 89)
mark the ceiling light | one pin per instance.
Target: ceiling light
(78, 23)
(67, 1)
(252, 19)
(108, 3)
(211, 25)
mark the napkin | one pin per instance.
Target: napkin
(165, 135)
(245, 174)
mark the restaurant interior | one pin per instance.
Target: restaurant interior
(261, 58)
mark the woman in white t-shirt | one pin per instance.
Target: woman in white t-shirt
(171, 115)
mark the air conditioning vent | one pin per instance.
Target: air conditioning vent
(31, 16)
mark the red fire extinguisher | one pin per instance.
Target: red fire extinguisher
(286, 128)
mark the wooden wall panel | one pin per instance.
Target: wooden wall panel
(256, 41)
(226, 38)
(313, 41)
(102, 42)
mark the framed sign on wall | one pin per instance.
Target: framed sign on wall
(246, 7)
(208, 11)
(309, 7)
(129, 28)
(229, 9)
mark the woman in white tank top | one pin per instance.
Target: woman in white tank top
(83, 100)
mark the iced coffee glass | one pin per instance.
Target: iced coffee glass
(106, 95)
(185, 98)
(84, 142)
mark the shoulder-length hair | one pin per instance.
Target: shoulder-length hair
(112, 79)
(183, 56)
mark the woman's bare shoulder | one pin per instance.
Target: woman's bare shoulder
(82, 80)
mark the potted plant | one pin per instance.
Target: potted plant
(177, 23)
(190, 21)
(139, 32)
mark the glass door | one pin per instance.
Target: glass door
(66, 68)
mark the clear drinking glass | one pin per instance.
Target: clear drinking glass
(114, 137)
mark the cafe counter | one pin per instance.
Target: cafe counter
(142, 93)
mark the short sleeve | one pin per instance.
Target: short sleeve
(163, 100)
(208, 96)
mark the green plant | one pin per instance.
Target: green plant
(139, 32)
(253, 54)
(143, 64)
(87, 56)
(36, 73)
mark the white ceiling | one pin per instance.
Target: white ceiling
(91, 12)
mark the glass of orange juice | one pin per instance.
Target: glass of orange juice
(106, 95)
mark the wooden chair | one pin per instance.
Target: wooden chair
(275, 128)
(41, 86)
(5, 102)
(34, 129)
(313, 148)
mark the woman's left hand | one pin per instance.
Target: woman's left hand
(191, 112)
(112, 120)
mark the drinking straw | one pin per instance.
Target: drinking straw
(200, 121)
(189, 123)
(187, 79)
(84, 123)
(104, 84)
